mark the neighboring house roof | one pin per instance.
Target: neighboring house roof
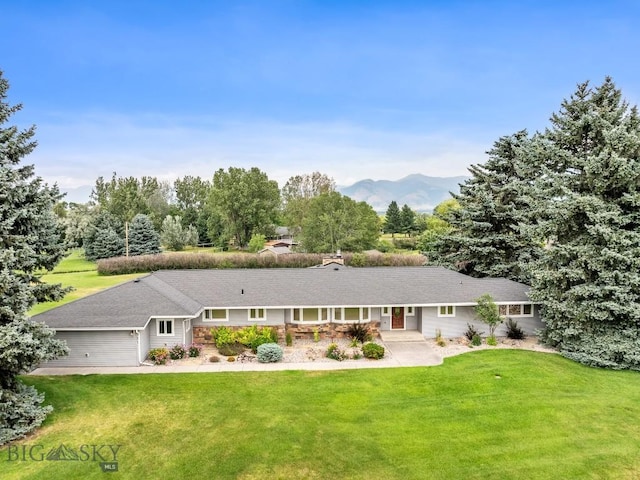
(184, 293)
(281, 250)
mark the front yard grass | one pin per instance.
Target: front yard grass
(500, 414)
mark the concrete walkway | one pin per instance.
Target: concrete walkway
(404, 349)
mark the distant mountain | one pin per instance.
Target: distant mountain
(420, 192)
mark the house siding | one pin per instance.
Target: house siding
(239, 317)
(451, 327)
(145, 342)
(98, 349)
(157, 341)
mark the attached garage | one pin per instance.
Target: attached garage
(117, 348)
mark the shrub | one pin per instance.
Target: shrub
(178, 351)
(231, 349)
(513, 330)
(195, 350)
(231, 359)
(439, 340)
(491, 340)
(159, 355)
(254, 336)
(476, 341)
(269, 353)
(316, 335)
(288, 339)
(358, 260)
(373, 350)
(336, 353)
(472, 332)
(359, 332)
(223, 336)
(202, 260)
(214, 358)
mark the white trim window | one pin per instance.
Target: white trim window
(215, 315)
(165, 327)
(351, 314)
(410, 311)
(257, 314)
(386, 311)
(309, 315)
(447, 311)
(516, 310)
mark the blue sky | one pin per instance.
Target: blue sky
(354, 89)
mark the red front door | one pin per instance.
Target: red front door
(397, 318)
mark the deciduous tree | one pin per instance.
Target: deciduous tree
(247, 200)
(337, 222)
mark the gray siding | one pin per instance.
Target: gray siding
(239, 317)
(144, 342)
(156, 341)
(98, 349)
(456, 326)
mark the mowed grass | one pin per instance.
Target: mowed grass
(77, 272)
(493, 414)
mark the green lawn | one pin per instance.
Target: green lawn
(74, 271)
(488, 414)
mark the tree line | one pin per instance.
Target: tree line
(239, 207)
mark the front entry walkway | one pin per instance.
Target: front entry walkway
(401, 336)
(409, 348)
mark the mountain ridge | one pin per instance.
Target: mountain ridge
(420, 192)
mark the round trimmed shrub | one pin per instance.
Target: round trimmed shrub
(373, 350)
(269, 353)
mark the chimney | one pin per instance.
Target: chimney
(337, 259)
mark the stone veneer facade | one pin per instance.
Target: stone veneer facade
(298, 331)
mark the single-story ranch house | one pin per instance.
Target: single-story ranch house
(118, 326)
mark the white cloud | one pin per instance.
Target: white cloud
(75, 151)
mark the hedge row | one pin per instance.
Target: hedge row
(186, 261)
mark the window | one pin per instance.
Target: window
(351, 314)
(257, 314)
(310, 315)
(516, 310)
(216, 315)
(385, 311)
(165, 327)
(446, 311)
(410, 311)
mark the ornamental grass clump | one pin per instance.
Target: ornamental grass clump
(269, 353)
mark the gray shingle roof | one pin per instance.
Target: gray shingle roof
(185, 292)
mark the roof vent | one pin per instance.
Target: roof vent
(336, 269)
(137, 280)
(242, 291)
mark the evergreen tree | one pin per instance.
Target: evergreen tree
(392, 220)
(407, 220)
(143, 238)
(104, 237)
(588, 279)
(488, 236)
(29, 243)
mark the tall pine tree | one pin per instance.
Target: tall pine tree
(143, 238)
(589, 276)
(392, 220)
(29, 243)
(488, 236)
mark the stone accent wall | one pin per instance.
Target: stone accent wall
(325, 331)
